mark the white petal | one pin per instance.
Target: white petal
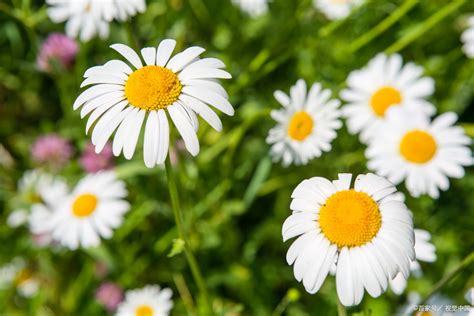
(129, 54)
(164, 137)
(164, 51)
(182, 59)
(134, 132)
(150, 146)
(149, 55)
(185, 128)
(210, 98)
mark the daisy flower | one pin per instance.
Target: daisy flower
(122, 99)
(92, 210)
(35, 187)
(253, 8)
(17, 273)
(148, 301)
(424, 251)
(467, 38)
(336, 9)
(367, 231)
(307, 124)
(87, 18)
(409, 147)
(384, 83)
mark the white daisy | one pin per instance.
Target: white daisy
(336, 9)
(16, 273)
(35, 187)
(148, 301)
(409, 147)
(384, 83)
(424, 251)
(92, 210)
(366, 230)
(467, 38)
(252, 7)
(86, 18)
(307, 124)
(122, 99)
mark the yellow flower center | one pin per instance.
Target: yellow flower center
(84, 205)
(300, 126)
(144, 310)
(384, 98)
(427, 313)
(152, 88)
(418, 146)
(350, 218)
(23, 276)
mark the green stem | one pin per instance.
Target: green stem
(383, 26)
(281, 307)
(341, 309)
(178, 216)
(448, 277)
(424, 26)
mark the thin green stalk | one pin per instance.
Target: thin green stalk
(448, 277)
(424, 27)
(341, 309)
(178, 216)
(281, 307)
(382, 26)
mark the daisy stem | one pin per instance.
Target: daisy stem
(425, 26)
(383, 26)
(341, 310)
(178, 216)
(448, 277)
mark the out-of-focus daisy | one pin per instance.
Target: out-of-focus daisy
(87, 18)
(252, 7)
(148, 301)
(467, 38)
(92, 210)
(409, 147)
(307, 124)
(53, 150)
(16, 273)
(384, 83)
(366, 230)
(121, 100)
(35, 187)
(336, 9)
(57, 49)
(424, 251)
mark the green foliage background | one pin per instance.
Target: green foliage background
(234, 199)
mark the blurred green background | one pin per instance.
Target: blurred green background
(234, 199)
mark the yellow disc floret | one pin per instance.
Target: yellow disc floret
(301, 125)
(384, 98)
(350, 218)
(418, 146)
(152, 88)
(144, 310)
(84, 205)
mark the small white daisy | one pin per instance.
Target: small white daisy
(467, 38)
(35, 187)
(307, 124)
(148, 301)
(409, 147)
(86, 18)
(16, 273)
(121, 100)
(366, 230)
(336, 9)
(424, 251)
(253, 8)
(92, 210)
(384, 83)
